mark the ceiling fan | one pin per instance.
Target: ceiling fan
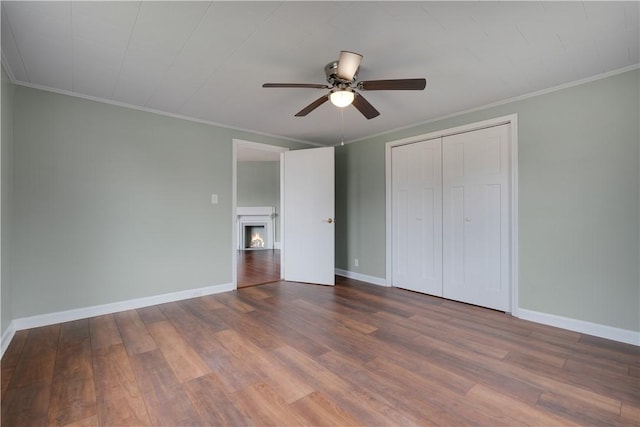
(342, 78)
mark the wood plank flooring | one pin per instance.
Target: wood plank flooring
(256, 267)
(291, 354)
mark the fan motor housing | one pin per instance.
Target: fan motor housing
(331, 70)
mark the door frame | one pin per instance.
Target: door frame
(512, 120)
(234, 198)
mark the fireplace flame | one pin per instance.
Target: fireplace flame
(256, 240)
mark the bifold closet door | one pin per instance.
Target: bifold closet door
(476, 217)
(417, 216)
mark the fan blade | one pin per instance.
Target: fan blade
(301, 85)
(365, 107)
(315, 104)
(399, 84)
(348, 65)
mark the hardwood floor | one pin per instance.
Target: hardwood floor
(292, 354)
(257, 267)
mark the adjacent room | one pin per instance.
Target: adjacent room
(320, 213)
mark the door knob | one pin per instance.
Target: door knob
(330, 220)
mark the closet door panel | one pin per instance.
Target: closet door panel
(475, 217)
(417, 217)
(401, 224)
(454, 241)
(427, 237)
(401, 231)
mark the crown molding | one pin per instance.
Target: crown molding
(7, 68)
(508, 100)
(154, 111)
(315, 144)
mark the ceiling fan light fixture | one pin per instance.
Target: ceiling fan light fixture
(342, 98)
(344, 88)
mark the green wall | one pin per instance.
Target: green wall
(107, 204)
(258, 184)
(112, 203)
(7, 199)
(579, 201)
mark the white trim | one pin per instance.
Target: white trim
(98, 310)
(514, 252)
(261, 146)
(436, 119)
(362, 277)
(281, 217)
(582, 326)
(7, 336)
(154, 111)
(7, 69)
(506, 101)
(255, 210)
(388, 215)
(234, 212)
(234, 200)
(512, 120)
(497, 121)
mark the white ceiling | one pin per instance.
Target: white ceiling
(208, 60)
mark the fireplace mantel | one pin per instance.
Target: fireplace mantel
(255, 216)
(255, 210)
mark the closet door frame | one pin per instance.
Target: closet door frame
(512, 120)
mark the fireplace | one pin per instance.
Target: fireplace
(255, 236)
(255, 227)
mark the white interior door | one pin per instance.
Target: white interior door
(417, 216)
(308, 235)
(476, 217)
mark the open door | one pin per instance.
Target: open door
(308, 235)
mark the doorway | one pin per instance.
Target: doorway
(256, 211)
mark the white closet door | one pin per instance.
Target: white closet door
(476, 217)
(417, 216)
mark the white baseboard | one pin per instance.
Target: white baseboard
(603, 331)
(584, 327)
(362, 277)
(98, 310)
(7, 336)
(276, 245)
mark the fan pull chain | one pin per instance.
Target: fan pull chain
(342, 125)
